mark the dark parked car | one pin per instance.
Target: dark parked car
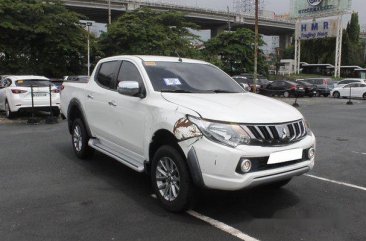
(248, 79)
(310, 89)
(323, 85)
(283, 88)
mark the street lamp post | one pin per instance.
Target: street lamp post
(255, 74)
(88, 24)
(109, 12)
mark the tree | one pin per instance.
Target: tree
(234, 51)
(149, 32)
(40, 37)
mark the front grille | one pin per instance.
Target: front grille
(276, 134)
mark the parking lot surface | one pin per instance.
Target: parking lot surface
(46, 193)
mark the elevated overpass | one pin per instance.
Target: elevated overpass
(216, 21)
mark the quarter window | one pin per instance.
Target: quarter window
(107, 74)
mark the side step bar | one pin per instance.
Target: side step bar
(94, 143)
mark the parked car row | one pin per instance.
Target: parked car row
(305, 87)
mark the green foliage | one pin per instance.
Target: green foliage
(234, 52)
(148, 32)
(40, 37)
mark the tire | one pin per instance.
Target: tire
(286, 94)
(8, 113)
(364, 96)
(171, 179)
(278, 184)
(80, 139)
(336, 94)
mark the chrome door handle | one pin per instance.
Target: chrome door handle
(112, 103)
(90, 97)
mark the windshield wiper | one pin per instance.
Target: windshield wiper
(175, 91)
(221, 91)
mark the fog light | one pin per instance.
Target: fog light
(246, 165)
(311, 153)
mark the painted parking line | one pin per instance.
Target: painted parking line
(361, 153)
(219, 225)
(337, 182)
(222, 226)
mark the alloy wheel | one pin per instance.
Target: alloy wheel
(77, 138)
(167, 179)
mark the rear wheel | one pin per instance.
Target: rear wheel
(364, 96)
(8, 113)
(336, 94)
(80, 139)
(171, 179)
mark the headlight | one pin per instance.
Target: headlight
(227, 134)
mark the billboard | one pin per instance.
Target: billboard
(313, 8)
(318, 29)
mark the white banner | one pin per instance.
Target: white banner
(311, 8)
(318, 29)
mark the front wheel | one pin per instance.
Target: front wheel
(364, 96)
(8, 113)
(80, 139)
(171, 180)
(336, 95)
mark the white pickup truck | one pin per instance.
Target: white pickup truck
(187, 124)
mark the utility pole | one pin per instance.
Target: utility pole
(228, 19)
(109, 12)
(255, 74)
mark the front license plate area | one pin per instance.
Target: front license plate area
(285, 156)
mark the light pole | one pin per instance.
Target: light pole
(88, 24)
(255, 74)
(109, 12)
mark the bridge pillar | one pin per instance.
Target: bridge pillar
(285, 41)
(216, 30)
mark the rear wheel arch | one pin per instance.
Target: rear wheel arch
(75, 111)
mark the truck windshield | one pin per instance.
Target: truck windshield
(183, 77)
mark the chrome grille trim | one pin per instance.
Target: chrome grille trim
(276, 134)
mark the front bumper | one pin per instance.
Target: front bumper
(218, 164)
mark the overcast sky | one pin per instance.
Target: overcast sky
(279, 6)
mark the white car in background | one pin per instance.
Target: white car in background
(349, 81)
(356, 90)
(15, 94)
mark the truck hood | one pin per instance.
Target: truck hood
(237, 108)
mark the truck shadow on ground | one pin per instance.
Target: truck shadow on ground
(235, 206)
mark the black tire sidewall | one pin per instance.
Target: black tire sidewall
(85, 149)
(11, 114)
(364, 96)
(182, 202)
(336, 94)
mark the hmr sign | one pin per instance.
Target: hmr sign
(318, 29)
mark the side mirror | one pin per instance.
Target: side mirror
(130, 88)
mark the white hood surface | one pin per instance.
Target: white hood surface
(246, 108)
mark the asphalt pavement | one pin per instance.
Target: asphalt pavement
(46, 193)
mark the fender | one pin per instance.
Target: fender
(75, 103)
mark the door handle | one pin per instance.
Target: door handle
(112, 103)
(90, 97)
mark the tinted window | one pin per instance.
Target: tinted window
(129, 72)
(189, 77)
(107, 73)
(32, 82)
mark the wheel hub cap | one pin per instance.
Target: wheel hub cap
(167, 179)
